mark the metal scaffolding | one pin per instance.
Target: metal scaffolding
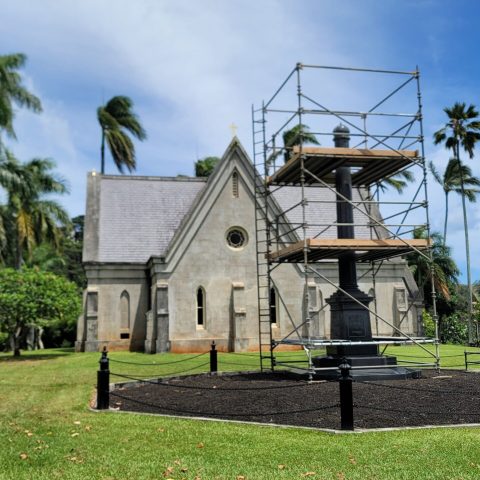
(389, 146)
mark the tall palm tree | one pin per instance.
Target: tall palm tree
(10, 181)
(32, 218)
(12, 92)
(297, 135)
(445, 271)
(451, 181)
(117, 120)
(462, 130)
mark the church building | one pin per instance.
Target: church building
(171, 265)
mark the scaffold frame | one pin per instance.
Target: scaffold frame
(280, 240)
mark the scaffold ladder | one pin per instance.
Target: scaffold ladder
(262, 240)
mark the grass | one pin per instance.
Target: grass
(48, 432)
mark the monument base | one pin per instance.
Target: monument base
(352, 350)
(366, 367)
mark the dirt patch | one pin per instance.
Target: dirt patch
(448, 398)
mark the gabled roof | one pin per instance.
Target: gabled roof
(138, 216)
(234, 158)
(131, 218)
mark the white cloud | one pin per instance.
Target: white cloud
(193, 67)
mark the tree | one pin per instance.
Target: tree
(65, 261)
(12, 92)
(31, 218)
(297, 135)
(117, 120)
(445, 271)
(398, 182)
(462, 130)
(205, 166)
(451, 181)
(31, 298)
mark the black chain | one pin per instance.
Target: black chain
(237, 364)
(413, 412)
(216, 414)
(413, 389)
(157, 364)
(192, 387)
(140, 377)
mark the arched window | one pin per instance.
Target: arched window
(235, 192)
(201, 307)
(124, 315)
(273, 307)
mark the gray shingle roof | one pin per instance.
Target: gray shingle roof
(317, 212)
(139, 215)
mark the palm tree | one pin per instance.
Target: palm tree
(451, 181)
(462, 130)
(13, 92)
(10, 180)
(398, 182)
(31, 217)
(445, 271)
(117, 119)
(297, 135)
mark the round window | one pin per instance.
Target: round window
(236, 237)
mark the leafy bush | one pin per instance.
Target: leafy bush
(454, 329)
(428, 324)
(32, 299)
(3, 341)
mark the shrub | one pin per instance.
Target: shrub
(428, 324)
(454, 329)
(31, 299)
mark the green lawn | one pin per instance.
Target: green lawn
(48, 432)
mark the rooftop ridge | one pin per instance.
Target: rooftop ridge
(149, 178)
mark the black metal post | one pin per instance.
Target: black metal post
(466, 359)
(103, 382)
(213, 358)
(346, 396)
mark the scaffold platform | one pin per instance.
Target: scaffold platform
(371, 165)
(366, 250)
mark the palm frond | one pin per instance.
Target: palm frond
(398, 182)
(117, 119)
(121, 147)
(13, 92)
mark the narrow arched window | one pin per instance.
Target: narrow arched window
(201, 304)
(124, 315)
(235, 185)
(273, 306)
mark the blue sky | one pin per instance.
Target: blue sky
(193, 67)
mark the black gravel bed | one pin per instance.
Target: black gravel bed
(446, 398)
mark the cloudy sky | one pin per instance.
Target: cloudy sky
(193, 67)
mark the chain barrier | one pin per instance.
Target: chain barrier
(192, 387)
(237, 364)
(425, 356)
(413, 412)
(225, 414)
(243, 354)
(413, 389)
(140, 377)
(158, 364)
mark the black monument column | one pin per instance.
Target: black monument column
(349, 319)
